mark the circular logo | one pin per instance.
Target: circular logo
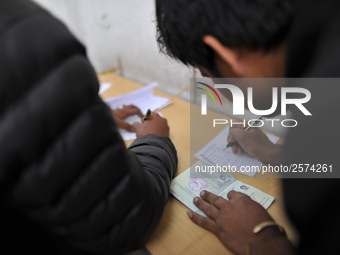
(197, 184)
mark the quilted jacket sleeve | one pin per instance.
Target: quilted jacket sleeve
(63, 164)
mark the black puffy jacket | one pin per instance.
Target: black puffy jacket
(68, 184)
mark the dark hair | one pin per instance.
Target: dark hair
(255, 24)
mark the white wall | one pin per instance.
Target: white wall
(126, 28)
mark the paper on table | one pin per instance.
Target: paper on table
(144, 99)
(103, 86)
(214, 153)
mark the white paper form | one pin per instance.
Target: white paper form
(103, 86)
(214, 153)
(142, 98)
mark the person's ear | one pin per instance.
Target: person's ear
(229, 55)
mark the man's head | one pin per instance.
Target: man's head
(226, 38)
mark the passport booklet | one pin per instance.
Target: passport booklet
(184, 188)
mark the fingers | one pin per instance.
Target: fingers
(204, 222)
(124, 125)
(155, 116)
(135, 125)
(132, 110)
(234, 148)
(234, 194)
(207, 208)
(153, 125)
(236, 134)
(230, 138)
(211, 198)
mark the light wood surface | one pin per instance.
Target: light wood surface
(176, 234)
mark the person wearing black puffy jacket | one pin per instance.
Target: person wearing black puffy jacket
(68, 184)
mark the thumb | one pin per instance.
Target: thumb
(235, 134)
(135, 126)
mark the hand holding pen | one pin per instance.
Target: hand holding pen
(152, 124)
(255, 143)
(247, 128)
(147, 116)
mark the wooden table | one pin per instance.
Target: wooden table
(176, 234)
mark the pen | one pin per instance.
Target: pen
(147, 116)
(247, 128)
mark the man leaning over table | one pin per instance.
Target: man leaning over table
(261, 39)
(68, 184)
